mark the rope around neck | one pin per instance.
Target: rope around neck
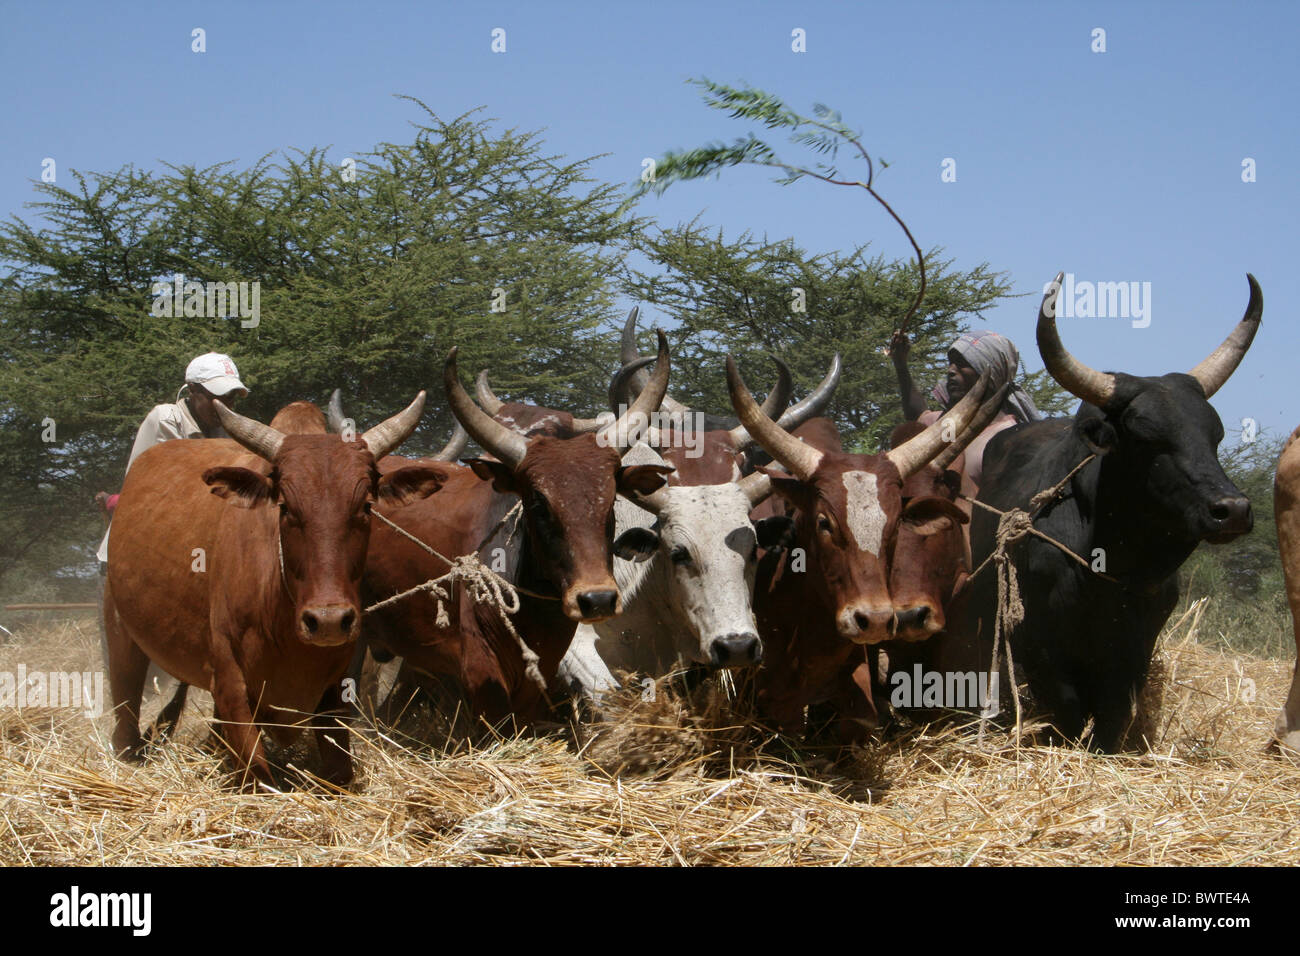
(483, 585)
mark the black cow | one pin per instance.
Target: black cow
(1155, 491)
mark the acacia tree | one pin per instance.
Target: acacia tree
(367, 274)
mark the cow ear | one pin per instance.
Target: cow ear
(931, 515)
(636, 544)
(642, 479)
(1098, 434)
(240, 486)
(776, 532)
(411, 483)
(497, 472)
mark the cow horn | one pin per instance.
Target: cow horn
(983, 418)
(802, 460)
(625, 387)
(1096, 388)
(583, 425)
(794, 416)
(493, 437)
(913, 455)
(1223, 361)
(631, 385)
(653, 502)
(647, 402)
(486, 399)
(383, 438)
(334, 413)
(756, 487)
(618, 385)
(455, 446)
(779, 397)
(262, 440)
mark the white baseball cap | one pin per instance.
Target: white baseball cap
(216, 373)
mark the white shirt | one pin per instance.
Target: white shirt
(163, 423)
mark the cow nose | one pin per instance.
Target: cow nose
(871, 623)
(736, 650)
(912, 619)
(597, 604)
(1232, 515)
(331, 624)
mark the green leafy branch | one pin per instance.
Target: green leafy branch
(824, 132)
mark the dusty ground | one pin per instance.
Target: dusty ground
(670, 782)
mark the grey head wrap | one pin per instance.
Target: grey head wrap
(986, 350)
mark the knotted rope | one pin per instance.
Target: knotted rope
(483, 585)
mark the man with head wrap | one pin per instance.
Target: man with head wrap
(968, 358)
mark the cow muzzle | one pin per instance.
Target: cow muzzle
(864, 624)
(329, 625)
(917, 622)
(592, 605)
(1229, 517)
(736, 650)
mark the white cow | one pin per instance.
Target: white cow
(684, 562)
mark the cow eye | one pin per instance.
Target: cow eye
(824, 523)
(680, 555)
(291, 519)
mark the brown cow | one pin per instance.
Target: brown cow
(1286, 511)
(930, 559)
(558, 549)
(240, 573)
(821, 602)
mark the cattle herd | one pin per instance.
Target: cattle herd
(653, 535)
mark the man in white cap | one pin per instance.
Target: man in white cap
(211, 375)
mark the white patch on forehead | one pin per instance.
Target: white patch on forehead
(865, 516)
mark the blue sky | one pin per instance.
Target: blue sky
(1115, 166)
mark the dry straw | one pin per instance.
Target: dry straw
(684, 779)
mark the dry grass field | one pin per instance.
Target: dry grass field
(670, 782)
